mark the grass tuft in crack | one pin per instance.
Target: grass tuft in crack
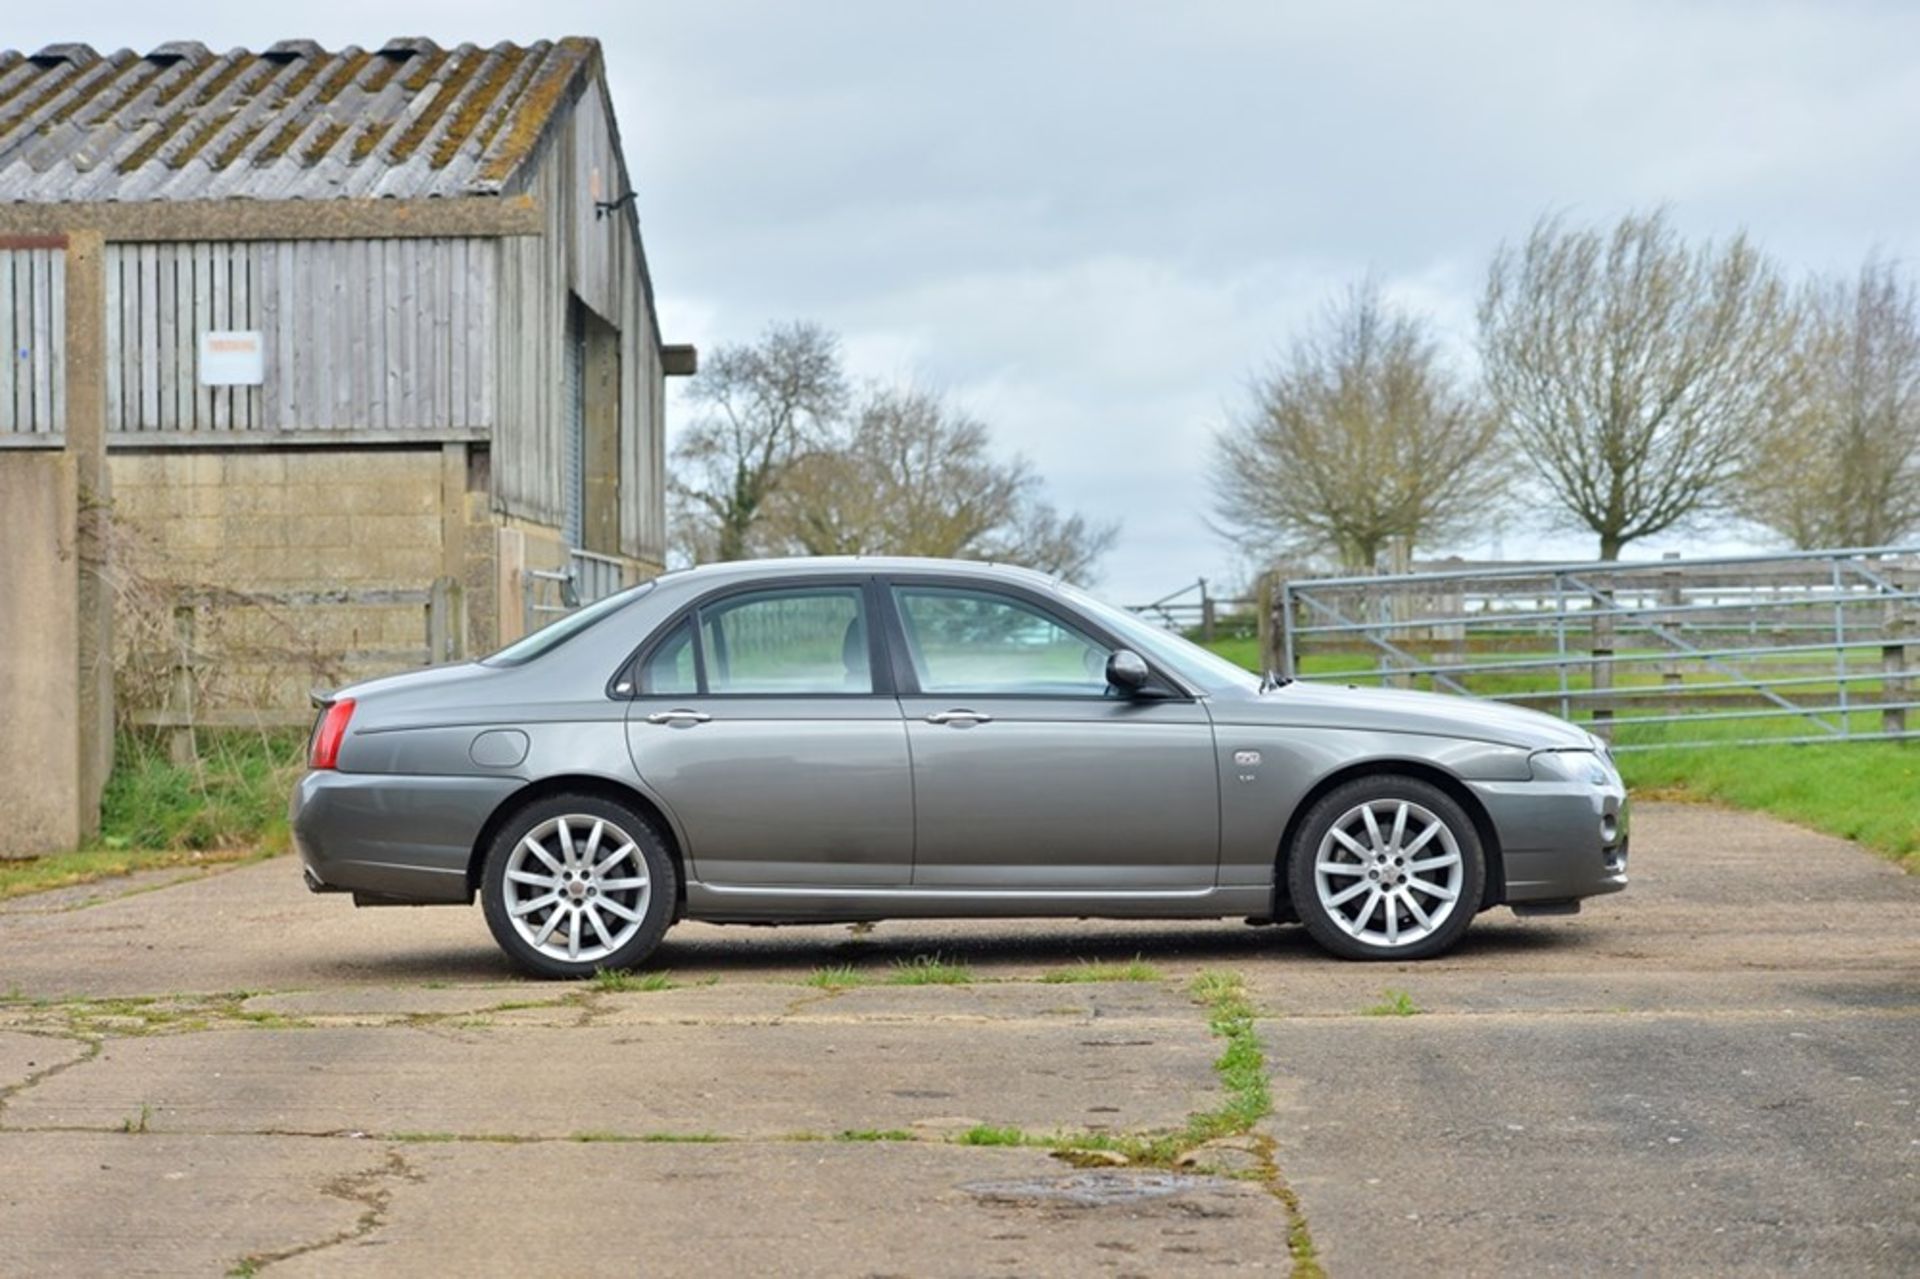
(1393, 1003)
(841, 977)
(929, 970)
(614, 981)
(1135, 969)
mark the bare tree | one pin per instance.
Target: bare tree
(916, 476)
(1633, 369)
(761, 408)
(1843, 467)
(1358, 435)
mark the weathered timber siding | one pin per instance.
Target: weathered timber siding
(360, 335)
(597, 260)
(33, 292)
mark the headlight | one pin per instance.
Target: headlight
(1571, 766)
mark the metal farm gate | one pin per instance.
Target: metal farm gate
(1815, 646)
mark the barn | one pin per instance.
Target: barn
(372, 336)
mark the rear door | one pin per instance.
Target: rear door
(764, 719)
(1029, 772)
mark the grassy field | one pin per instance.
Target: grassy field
(1864, 791)
(230, 806)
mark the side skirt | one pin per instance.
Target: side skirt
(718, 904)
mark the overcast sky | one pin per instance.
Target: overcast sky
(1091, 221)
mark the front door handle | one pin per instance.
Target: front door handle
(678, 717)
(959, 717)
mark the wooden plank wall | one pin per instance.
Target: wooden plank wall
(595, 260)
(33, 384)
(361, 335)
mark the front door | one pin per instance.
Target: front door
(761, 722)
(1029, 771)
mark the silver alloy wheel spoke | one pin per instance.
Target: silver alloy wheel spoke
(1373, 828)
(577, 888)
(1346, 895)
(593, 917)
(1420, 841)
(613, 859)
(1366, 912)
(531, 845)
(1368, 880)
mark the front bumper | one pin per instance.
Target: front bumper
(395, 838)
(1559, 841)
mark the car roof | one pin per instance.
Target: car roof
(793, 565)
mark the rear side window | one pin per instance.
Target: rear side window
(810, 640)
(669, 668)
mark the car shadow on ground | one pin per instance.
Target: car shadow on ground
(791, 953)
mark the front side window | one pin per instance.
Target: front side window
(798, 641)
(979, 642)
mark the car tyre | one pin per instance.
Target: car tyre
(1386, 867)
(576, 883)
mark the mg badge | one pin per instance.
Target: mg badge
(1246, 759)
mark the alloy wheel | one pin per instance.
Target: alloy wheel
(1389, 872)
(576, 888)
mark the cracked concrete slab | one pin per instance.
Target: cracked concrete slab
(23, 1057)
(1544, 1145)
(88, 1204)
(802, 1209)
(392, 1002)
(734, 1080)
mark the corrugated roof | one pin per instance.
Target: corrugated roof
(292, 122)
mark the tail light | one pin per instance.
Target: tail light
(327, 735)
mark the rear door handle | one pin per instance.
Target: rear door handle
(959, 717)
(678, 717)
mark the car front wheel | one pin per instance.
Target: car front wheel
(1386, 867)
(577, 883)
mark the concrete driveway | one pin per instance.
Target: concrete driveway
(1712, 1073)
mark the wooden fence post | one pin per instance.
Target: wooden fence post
(1601, 646)
(182, 749)
(1264, 630)
(446, 622)
(1894, 688)
(1206, 614)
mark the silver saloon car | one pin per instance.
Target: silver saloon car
(838, 740)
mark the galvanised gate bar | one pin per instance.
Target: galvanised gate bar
(1810, 646)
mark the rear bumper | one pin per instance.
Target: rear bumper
(391, 837)
(1559, 841)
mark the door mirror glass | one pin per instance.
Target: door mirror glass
(1127, 671)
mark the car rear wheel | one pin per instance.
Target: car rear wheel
(1386, 867)
(577, 883)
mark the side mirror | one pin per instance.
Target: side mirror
(1127, 671)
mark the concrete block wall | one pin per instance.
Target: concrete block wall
(267, 520)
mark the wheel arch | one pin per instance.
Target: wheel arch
(1495, 890)
(579, 784)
